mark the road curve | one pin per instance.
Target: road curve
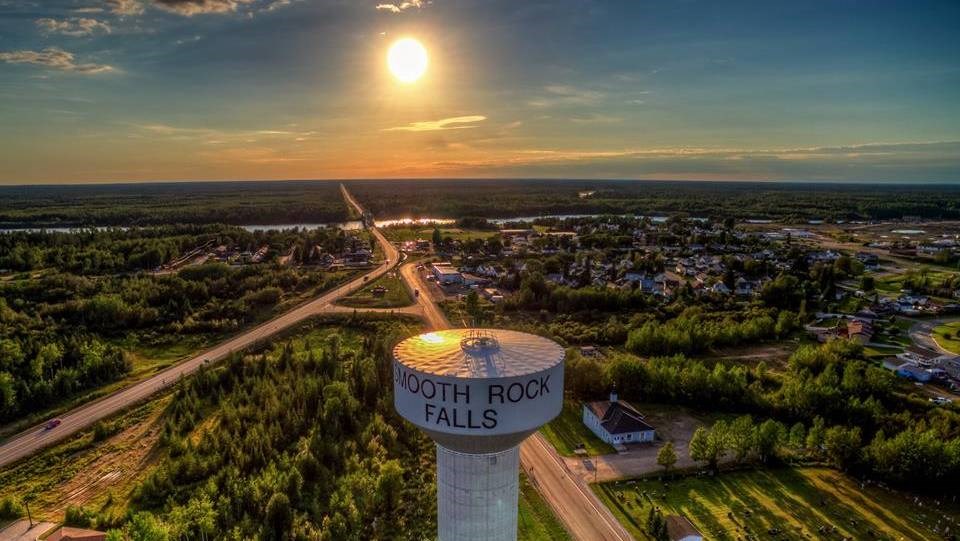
(36, 438)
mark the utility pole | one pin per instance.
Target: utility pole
(29, 517)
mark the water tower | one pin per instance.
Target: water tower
(478, 393)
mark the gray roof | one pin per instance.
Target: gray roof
(619, 417)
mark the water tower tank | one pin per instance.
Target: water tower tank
(478, 393)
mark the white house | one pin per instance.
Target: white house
(616, 422)
(681, 529)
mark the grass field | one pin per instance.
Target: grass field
(405, 233)
(948, 336)
(84, 470)
(893, 283)
(567, 431)
(536, 521)
(395, 296)
(804, 503)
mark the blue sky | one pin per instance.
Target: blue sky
(97, 90)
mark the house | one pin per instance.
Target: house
(859, 330)
(445, 273)
(720, 288)
(67, 533)
(616, 422)
(913, 372)
(681, 529)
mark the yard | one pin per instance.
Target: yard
(948, 336)
(784, 503)
(567, 431)
(396, 294)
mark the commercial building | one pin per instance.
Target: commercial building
(445, 273)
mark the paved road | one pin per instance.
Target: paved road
(36, 438)
(432, 314)
(922, 334)
(585, 516)
(21, 530)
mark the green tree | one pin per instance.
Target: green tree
(740, 437)
(437, 238)
(842, 445)
(767, 438)
(667, 457)
(700, 445)
(143, 526)
(279, 514)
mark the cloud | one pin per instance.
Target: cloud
(453, 123)
(401, 6)
(930, 160)
(189, 8)
(595, 119)
(76, 26)
(53, 58)
(125, 7)
(566, 95)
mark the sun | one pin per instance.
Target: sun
(407, 60)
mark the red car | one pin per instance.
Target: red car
(53, 423)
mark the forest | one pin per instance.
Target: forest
(295, 442)
(236, 203)
(788, 202)
(830, 404)
(82, 320)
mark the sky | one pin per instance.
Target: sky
(157, 90)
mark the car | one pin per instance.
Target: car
(52, 423)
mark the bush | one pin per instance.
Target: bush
(10, 508)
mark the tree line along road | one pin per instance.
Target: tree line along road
(584, 516)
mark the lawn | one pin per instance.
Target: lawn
(948, 336)
(796, 501)
(567, 431)
(536, 521)
(396, 295)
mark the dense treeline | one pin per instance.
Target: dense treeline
(60, 332)
(693, 332)
(299, 443)
(236, 203)
(93, 251)
(740, 200)
(858, 419)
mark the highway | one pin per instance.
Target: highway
(584, 516)
(36, 438)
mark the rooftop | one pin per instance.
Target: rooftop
(619, 417)
(478, 353)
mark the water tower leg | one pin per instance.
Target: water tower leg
(477, 495)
